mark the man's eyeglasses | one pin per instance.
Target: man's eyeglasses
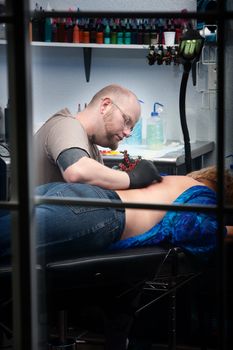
(126, 118)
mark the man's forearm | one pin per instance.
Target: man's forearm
(87, 170)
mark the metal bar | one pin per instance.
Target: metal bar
(6, 19)
(221, 278)
(210, 15)
(119, 204)
(25, 320)
(12, 205)
(172, 302)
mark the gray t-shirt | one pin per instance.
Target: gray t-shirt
(59, 133)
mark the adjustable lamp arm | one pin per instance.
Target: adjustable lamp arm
(189, 52)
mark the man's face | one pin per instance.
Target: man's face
(119, 122)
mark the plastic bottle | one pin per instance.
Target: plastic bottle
(86, 35)
(155, 131)
(120, 34)
(48, 30)
(107, 34)
(93, 31)
(76, 34)
(127, 34)
(113, 39)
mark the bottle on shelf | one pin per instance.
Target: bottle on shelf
(61, 31)
(76, 33)
(81, 29)
(127, 34)
(140, 33)
(54, 31)
(86, 34)
(154, 37)
(147, 33)
(93, 31)
(69, 30)
(107, 33)
(155, 130)
(120, 34)
(134, 33)
(113, 35)
(99, 34)
(48, 30)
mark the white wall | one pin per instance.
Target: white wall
(59, 81)
(121, 5)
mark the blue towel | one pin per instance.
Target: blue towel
(193, 232)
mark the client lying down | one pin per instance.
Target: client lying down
(70, 230)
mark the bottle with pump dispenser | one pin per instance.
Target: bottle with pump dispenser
(155, 131)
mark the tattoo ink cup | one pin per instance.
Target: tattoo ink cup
(169, 38)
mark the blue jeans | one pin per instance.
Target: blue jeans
(68, 231)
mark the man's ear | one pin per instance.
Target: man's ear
(105, 103)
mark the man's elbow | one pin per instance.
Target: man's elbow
(76, 172)
(73, 174)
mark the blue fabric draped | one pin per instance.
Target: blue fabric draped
(191, 231)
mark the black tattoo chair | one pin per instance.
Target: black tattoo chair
(114, 286)
(105, 294)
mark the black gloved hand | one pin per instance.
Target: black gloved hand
(144, 174)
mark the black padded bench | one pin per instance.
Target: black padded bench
(120, 278)
(116, 279)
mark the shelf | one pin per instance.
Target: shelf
(87, 50)
(90, 45)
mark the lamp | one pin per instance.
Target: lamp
(189, 51)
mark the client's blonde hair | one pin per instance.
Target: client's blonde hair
(210, 174)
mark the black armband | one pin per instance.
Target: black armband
(69, 157)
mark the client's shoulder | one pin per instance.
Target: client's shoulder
(181, 180)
